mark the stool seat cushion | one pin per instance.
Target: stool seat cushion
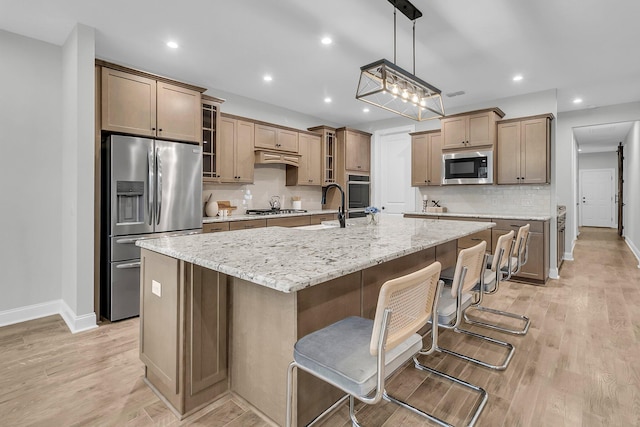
(514, 263)
(446, 276)
(339, 353)
(447, 305)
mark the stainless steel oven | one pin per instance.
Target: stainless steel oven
(358, 195)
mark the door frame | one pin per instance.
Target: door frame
(613, 192)
(376, 161)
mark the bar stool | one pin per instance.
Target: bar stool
(501, 266)
(467, 281)
(356, 355)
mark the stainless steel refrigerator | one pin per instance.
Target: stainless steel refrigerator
(150, 189)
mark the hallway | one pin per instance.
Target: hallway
(577, 366)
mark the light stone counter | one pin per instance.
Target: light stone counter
(289, 259)
(483, 216)
(245, 217)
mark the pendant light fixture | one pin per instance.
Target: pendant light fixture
(385, 85)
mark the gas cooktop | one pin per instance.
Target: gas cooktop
(273, 211)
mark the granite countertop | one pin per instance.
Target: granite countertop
(245, 217)
(523, 217)
(289, 259)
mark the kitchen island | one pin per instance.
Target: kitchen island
(221, 312)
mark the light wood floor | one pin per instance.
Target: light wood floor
(579, 365)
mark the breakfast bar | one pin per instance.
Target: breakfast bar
(221, 312)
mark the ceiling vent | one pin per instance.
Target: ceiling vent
(458, 93)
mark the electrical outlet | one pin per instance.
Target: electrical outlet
(156, 288)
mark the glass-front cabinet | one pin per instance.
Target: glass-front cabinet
(210, 138)
(328, 153)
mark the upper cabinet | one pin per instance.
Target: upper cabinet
(426, 158)
(328, 154)
(357, 149)
(210, 138)
(138, 104)
(236, 156)
(275, 138)
(523, 154)
(308, 171)
(470, 130)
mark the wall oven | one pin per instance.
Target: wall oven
(358, 195)
(467, 167)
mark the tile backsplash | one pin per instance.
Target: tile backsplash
(489, 199)
(269, 180)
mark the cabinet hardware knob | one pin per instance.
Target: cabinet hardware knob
(153, 128)
(159, 130)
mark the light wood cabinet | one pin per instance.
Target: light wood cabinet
(470, 130)
(357, 150)
(290, 221)
(320, 218)
(524, 154)
(245, 225)
(236, 156)
(308, 171)
(328, 154)
(536, 269)
(215, 227)
(426, 158)
(140, 105)
(275, 138)
(188, 304)
(210, 139)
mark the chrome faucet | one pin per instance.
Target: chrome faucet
(341, 216)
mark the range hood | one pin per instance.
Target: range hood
(265, 157)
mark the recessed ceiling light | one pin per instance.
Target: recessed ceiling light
(172, 45)
(366, 110)
(267, 78)
(517, 77)
(327, 100)
(579, 149)
(577, 100)
(326, 40)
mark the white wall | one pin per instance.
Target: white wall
(566, 154)
(78, 87)
(46, 174)
(30, 172)
(631, 189)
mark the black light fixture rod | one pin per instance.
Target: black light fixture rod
(394, 34)
(414, 47)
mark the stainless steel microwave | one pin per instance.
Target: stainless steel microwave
(467, 167)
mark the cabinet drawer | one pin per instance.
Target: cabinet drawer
(474, 239)
(318, 219)
(244, 225)
(464, 218)
(515, 224)
(215, 227)
(296, 221)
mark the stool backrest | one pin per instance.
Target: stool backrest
(504, 244)
(473, 259)
(411, 301)
(522, 240)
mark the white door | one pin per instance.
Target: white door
(393, 179)
(597, 197)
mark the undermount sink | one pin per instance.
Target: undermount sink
(317, 227)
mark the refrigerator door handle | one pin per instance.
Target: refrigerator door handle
(135, 264)
(150, 167)
(159, 175)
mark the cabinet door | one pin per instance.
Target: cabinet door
(419, 159)
(226, 150)
(266, 137)
(454, 132)
(179, 113)
(534, 154)
(534, 268)
(481, 129)
(509, 153)
(434, 167)
(357, 152)
(287, 141)
(315, 160)
(128, 103)
(244, 156)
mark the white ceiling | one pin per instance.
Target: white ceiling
(600, 138)
(584, 48)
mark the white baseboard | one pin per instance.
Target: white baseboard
(74, 322)
(553, 273)
(634, 249)
(567, 256)
(30, 312)
(77, 323)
